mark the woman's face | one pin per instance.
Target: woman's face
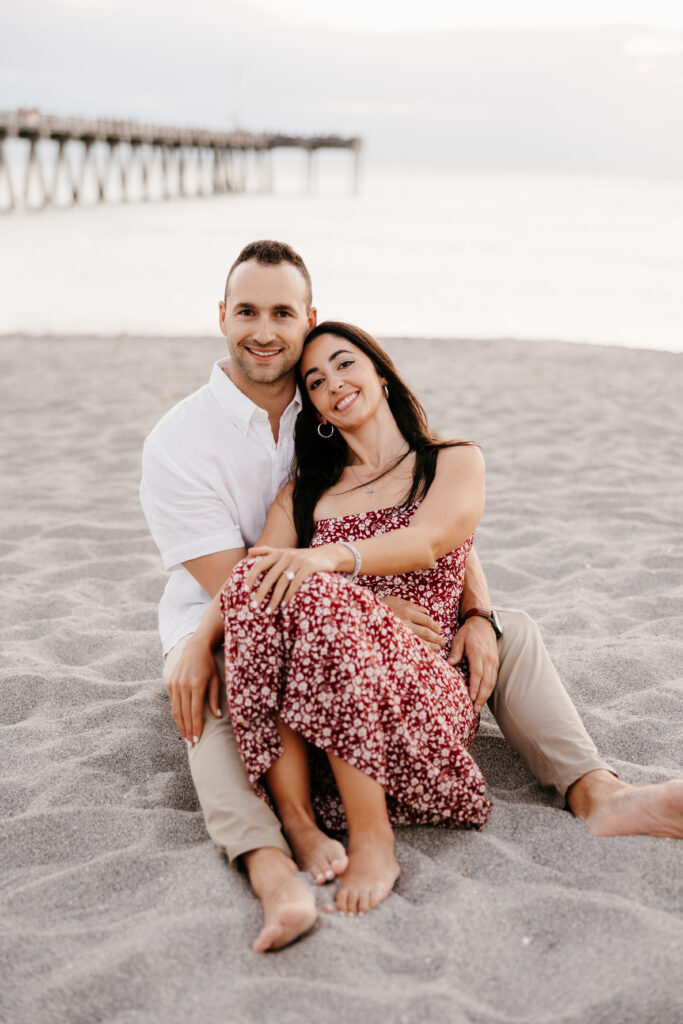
(341, 380)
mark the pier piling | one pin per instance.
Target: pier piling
(116, 155)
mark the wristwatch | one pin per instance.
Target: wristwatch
(490, 616)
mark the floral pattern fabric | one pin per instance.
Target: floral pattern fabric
(344, 672)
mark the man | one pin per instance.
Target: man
(211, 468)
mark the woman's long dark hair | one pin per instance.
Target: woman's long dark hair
(321, 461)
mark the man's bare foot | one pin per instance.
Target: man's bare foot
(613, 808)
(316, 852)
(371, 874)
(288, 903)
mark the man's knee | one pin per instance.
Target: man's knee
(518, 629)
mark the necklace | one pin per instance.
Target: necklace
(367, 486)
(369, 489)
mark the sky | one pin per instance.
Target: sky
(407, 15)
(495, 86)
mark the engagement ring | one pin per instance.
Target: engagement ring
(288, 574)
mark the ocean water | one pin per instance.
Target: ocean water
(581, 259)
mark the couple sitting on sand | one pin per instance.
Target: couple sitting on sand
(334, 682)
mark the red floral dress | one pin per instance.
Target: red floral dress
(345, 673)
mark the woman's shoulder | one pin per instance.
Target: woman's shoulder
(460, 456)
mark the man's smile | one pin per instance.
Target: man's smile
(346, 401)
(263, 354)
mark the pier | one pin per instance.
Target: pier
(71, 160)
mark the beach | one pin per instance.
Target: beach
(116, 906)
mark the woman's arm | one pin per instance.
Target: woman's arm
(279, 531)
(447, 516)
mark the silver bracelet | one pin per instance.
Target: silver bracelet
(356, 554)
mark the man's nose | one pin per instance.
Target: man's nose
(263, 330)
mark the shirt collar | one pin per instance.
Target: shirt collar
(240, 408)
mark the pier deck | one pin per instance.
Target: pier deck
(106, 155)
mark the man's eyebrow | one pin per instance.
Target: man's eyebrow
(277, 307)
(339, 352)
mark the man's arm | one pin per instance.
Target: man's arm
(475, 592)
(476, 638)
(211, 571)
(195, 671)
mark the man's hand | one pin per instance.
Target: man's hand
(416, 618)
(476, 640)
(194, 673)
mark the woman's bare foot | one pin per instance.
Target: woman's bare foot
(288, 904)
(323, 857)
(371, 874)
(613, 808)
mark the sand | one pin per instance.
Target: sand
(115, 905)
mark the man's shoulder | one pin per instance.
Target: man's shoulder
(184, 419)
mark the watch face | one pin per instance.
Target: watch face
(495, 622)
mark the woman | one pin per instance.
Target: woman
(342, 713)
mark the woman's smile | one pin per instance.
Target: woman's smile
(346, 402)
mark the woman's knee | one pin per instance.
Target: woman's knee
(239, 572)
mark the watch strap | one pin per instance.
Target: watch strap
(484, 613)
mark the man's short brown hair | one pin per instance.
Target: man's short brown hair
(267, 251)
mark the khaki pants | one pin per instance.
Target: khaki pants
(530, 704)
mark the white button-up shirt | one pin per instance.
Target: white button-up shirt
(210, 472)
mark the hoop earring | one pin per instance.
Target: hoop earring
(386, 392)
(326, 436)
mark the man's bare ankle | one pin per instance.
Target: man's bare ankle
(584, 795)
(266, 860)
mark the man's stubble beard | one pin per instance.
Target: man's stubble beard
(265, 374)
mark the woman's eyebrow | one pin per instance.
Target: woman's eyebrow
(339, 352)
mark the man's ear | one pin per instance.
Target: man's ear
(221, 318)
(312, 318)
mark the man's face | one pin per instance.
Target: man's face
(265, 320)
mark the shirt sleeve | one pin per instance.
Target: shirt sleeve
(186, 517)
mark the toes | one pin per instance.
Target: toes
(376, 895)
(320, 871)
(364, 903)
(352, 902)
(323, 871)
(340, 864)
(328, 865)
(342, 901)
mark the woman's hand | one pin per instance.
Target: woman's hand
(283, 570)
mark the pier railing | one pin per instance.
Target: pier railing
(103, 158)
